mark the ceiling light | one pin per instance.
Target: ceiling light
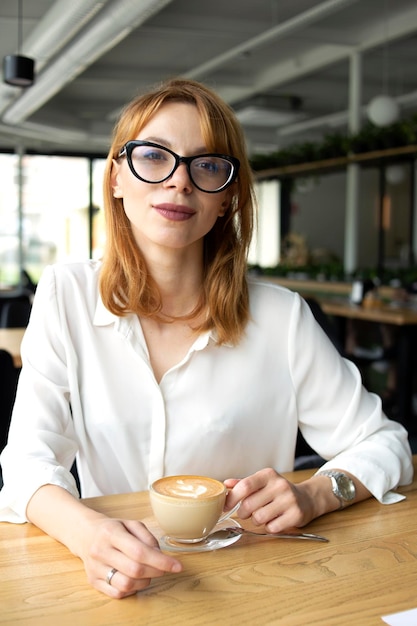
(383, 110)
(18, 70)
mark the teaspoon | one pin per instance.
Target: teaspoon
(226, 533)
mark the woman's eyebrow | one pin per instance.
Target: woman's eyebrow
(168, 144)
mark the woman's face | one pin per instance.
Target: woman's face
(174, 213)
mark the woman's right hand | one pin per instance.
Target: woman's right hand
(102, 543)
(129, 548)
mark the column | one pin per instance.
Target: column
(353, 170)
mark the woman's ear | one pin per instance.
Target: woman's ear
(226, 202)
(114, 178)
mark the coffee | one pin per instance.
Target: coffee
(188, 487)
(187, 507)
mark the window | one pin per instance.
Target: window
(50, 220)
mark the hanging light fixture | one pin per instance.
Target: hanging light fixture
(18, 70)
(383, 110)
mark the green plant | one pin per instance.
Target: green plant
(369, 139)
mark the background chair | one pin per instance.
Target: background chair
(15, 312)
(326, 323)
(305, 456)
(9, 375)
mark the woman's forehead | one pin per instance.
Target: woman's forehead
(151, 121)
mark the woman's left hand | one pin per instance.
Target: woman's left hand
(272, 501)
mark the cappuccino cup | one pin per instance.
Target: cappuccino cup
(186, 507)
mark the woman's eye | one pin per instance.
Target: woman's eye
(210, 167)
(153, 155)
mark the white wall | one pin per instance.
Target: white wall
(266, 244)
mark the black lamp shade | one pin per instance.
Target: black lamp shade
(18, 71)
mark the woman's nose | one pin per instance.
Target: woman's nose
(180, 178)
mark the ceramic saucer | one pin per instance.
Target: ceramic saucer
(202, 546)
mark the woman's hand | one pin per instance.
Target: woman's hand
(101, 543)
(129, 548)
(270, 500)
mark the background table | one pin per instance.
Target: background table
(405, 320)
(368, 569)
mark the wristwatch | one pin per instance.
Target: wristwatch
(343, 487)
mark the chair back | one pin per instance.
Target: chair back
(325, 322)
(9, 375)
(15, 313)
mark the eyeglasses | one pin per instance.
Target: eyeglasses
(153, 163)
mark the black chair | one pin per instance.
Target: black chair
(326, 323)
(335, 336)
(305, 456)
(26, 282)
(15, 313)
(9, 375)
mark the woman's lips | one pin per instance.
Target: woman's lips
(174, 212)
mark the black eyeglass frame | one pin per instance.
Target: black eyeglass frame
(130, 145)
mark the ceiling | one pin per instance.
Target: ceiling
(284, 65)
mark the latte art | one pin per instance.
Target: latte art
(188, 487)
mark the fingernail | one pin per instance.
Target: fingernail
(176, 568)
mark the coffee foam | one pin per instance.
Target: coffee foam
(190, 487)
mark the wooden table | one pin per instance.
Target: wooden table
(10, 340)
(310, 287)
(368, 569)
(405, 320)
(383, 313)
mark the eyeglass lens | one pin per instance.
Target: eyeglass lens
(155, 164)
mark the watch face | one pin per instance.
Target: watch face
(346, 487)
(343, 486)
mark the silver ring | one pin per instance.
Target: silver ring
(110, 575)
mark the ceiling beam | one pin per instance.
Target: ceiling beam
(295, 24)
(280, 73)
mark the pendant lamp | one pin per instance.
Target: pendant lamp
(18, 70)
(383, 110)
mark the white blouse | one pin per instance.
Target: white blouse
(87, 389)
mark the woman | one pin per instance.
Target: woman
(162, 359)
